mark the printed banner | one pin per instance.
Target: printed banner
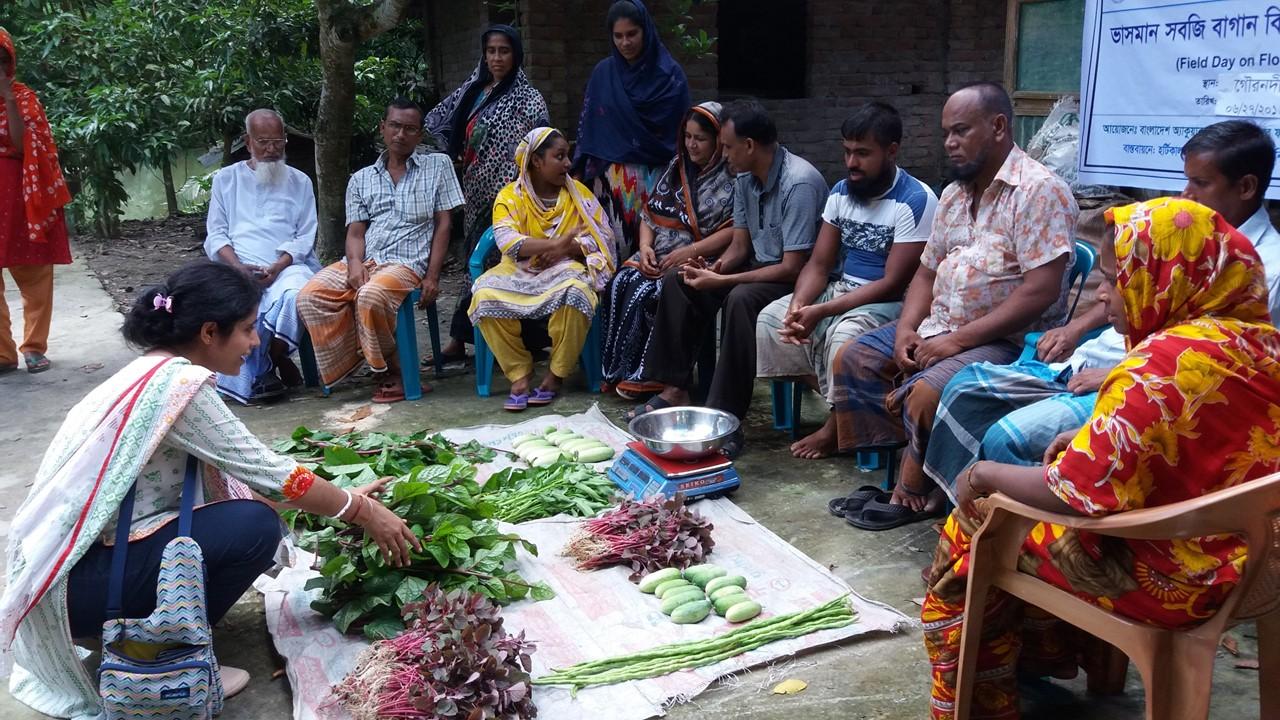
(1154, 72)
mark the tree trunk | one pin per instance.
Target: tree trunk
(333, 135)
(170, 193)
(228, 140)
(343, 26)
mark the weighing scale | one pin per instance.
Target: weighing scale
(642, 474)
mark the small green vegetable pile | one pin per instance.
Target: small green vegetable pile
(529, 494)
(666, 659)
(689, 596)
(455, 660)
(551, 446)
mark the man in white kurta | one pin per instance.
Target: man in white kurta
(262, 220)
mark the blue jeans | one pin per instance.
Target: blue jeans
(238, 539)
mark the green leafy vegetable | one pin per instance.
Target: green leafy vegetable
(520, 494)
(437, 495)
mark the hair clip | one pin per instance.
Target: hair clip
(163, 302)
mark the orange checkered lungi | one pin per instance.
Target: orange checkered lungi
(346, 324)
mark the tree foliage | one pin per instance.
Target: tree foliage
(128, 84)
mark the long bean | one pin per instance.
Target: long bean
(666, 659)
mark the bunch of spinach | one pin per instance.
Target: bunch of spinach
(437, 495)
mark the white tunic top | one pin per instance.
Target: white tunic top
(260, 222)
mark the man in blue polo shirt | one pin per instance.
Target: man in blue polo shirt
(874, 227)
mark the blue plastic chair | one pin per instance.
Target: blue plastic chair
(1086, 258)
(787, 394)
(406, 349)
(591, 368)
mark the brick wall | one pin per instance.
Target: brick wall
(453, 30)
(910, 53)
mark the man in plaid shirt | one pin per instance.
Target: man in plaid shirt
(397, 239)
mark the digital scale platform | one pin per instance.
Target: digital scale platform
(641, 474)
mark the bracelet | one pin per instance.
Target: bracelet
(345, 507)
(359, 509)
(968, 479)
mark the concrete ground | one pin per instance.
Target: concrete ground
(873, 677)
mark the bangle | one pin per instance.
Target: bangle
(359, 507)
(968, 479)
(345, 506)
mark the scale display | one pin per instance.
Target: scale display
(638, 475)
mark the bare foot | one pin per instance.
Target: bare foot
(521, 386)
(931, 502)
(819, 444)
(674, 395)
(551, 382)
(289, 373)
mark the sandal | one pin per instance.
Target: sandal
(445, 359)
(516, 403)
(854, 501)
(541, 396)
(267, 388)
(233, 680)
(633, 390)
(389, 392)
(654, 403)
(733, 447)
(36, 362)
(876, 515)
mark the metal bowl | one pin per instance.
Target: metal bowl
(684, 433)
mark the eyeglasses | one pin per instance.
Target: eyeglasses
(270, 142)
(396, 127)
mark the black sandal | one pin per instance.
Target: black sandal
(654, 403)
(876, 515)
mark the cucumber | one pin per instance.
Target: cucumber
(530, 454)
(724, 602)
(515, 444)
(547, 459)
(725, 581)
(650, 582)
(668, 585)
(726, 590)
(676, 598)
(743, 611)
(559, 438)
(594, 454)
(700, 575)
(581, 444)
(691, 612)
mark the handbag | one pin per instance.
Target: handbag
(161, 666)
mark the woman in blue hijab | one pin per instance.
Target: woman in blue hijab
(634, 105)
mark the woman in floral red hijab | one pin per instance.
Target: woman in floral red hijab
(33, 233)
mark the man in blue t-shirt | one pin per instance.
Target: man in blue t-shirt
(874, 227)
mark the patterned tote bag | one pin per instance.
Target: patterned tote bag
(161, 666)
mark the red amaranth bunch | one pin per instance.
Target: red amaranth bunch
(453, 661)
(645, 536)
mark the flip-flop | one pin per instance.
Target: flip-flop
(654, 403)
(540, 397)
(36, 362)
(876, 515)
(854, 501)
(516, 403)
(445, 358)
(629, 390)
(388, 393)
(733, 447)
(267, 388)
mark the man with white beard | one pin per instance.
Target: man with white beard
(262, 221)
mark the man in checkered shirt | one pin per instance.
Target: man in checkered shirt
(397, 239)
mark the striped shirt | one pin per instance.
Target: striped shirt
(402, 217)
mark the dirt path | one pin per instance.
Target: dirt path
(148, 250)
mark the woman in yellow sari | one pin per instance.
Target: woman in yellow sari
(556, 258)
